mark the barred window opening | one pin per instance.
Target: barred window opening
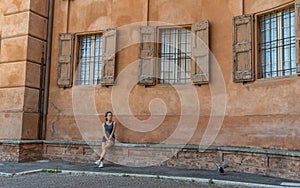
(277, 44)
(175, 56)
(90, 60)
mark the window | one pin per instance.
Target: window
(95, 58)
(90, 59)
(175, 56)
(183, 55)
(277, 44)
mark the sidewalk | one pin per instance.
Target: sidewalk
(8, 169)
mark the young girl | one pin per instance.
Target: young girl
(108, 140)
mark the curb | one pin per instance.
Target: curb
(28, 172)
(4, 174)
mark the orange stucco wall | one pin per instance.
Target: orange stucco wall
(23, 28)
(263, 113)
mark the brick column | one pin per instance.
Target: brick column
(23, 26)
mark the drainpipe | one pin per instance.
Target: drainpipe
(48, 61)
(148, 7)
(40, 106)
(243, 7)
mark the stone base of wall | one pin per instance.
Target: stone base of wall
(21, 151)
(279, 163)
(257, 163)
(270, 162)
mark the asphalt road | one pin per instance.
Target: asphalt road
(53, 180)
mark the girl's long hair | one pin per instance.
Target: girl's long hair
(108, 112)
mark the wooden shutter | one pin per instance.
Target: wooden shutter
(109, 56)
(65, 60)
(200, 53)
(147, 55)
(297, 27)
(243, 69)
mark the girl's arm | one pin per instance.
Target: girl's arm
(113, 131)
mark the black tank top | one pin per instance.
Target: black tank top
(109, 128)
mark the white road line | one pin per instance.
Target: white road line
(28, 172)
(5, 174)
(42, 161)
(290, 184)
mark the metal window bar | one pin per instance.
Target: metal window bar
(175, 56)
(90, 59)
(277, 44)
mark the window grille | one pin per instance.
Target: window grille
(90, 59)
(175, 55)
(277, 44)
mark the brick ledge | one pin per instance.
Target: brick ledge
(291, 153)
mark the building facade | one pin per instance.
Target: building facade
(188, 83)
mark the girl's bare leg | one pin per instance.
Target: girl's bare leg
(105, 146)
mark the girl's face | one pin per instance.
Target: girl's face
(109, 116)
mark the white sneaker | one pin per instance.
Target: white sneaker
(97, 162)
(101, 164)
